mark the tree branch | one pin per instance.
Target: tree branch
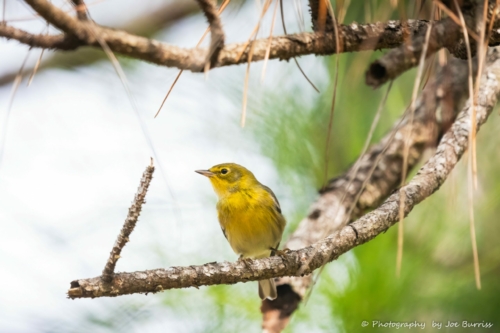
(354, 37)
(445, 33)
(58, 18)
(369, 181)
(129, 225)
(146, 25)
(60, 42)
(399, 60)
(304, 261)
(216, 33)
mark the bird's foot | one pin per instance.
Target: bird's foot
(281, 253)
(246, 261)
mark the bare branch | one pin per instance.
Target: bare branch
(60, 42)
(430, 177)
(129, 225)
(354, 37)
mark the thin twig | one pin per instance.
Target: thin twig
(129, 225)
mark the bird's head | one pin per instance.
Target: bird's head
(228, 177)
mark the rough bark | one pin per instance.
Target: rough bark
(304, 261)
(368, 182)
(133, 216)
(354, 37)
(444, 34)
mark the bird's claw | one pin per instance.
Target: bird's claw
(281, 253)
(246, 261)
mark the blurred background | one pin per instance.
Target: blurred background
(73, 148)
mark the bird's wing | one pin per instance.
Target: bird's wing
(223, 231)
(276, 202)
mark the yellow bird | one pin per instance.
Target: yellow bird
(249, 215)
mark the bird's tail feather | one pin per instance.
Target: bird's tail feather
(267, 289)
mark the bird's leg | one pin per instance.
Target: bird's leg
(246, 261)
(280, 253)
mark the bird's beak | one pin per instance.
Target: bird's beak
(205, 173)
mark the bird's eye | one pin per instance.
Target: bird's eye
(224, 171)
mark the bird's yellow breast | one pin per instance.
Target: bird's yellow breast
(251, 221)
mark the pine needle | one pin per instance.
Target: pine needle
(35, 69)
(255, 30)
(252, 37)
(221, 9)
(406, 149)
(472, 143)
(294, 58)
(455, 18)
(268, 49)
(38, 62)
(245, 88)
(15, 87)
(334, 97)
(299, 14)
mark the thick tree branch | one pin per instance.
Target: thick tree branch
(354, 37)
(146, 25)
(304, 261)
(129, 225)
(445, 33)
(368, 182)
